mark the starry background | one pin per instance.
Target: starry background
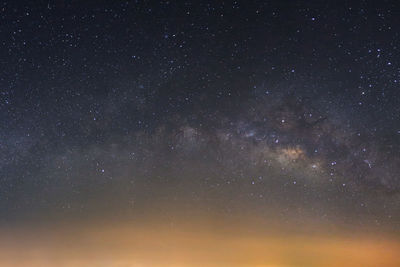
(287, 111)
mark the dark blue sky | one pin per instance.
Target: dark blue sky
(237, 105)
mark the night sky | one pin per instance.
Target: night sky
(279, 115)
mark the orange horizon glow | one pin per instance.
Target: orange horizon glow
(194, 244)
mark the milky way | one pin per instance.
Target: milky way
(252, 113)
(273, 151)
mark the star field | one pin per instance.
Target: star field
(284, 111)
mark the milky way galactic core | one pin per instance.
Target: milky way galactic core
(239, 133)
